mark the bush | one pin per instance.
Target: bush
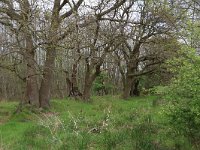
(184, 96)
(159, 90)
(101, 85)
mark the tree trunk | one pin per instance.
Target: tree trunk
(74, 91)
(135, 88)
(127, 88)
(45, 89)
(132, 66)
(74, 75)
(68, 82)
(32, 91)
(87, 90)
(89, 79)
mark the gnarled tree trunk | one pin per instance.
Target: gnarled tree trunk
(127, 88)
(45, 89)
(32, 91)
(135, 88)
(74, 91)
(132, 66)
(87, 90)
(89, 79)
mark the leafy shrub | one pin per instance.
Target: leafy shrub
(159, 90)
(184, 95)
(101, 85)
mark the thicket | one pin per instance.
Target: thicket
(184, 95)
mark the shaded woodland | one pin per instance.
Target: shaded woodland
(100, 74)
(58, 48)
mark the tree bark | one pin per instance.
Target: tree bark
(135, 88)
(132, 65)
(127, 88)
(45, 89)
(68, 82)
(32, 91)
(74, 91)
(72, 87)
(89, 79)
(87, 90)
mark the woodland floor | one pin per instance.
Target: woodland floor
(106, 123)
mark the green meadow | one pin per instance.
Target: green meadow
(106, 123)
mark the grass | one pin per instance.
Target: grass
(106, 123)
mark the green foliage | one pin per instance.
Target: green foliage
(101, 83)
(107, 123)
(159, 90)
(184, 95)
(142, 134)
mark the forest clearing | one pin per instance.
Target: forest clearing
(107, 123)
(100, 74)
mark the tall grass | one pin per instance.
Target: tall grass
(108, 123)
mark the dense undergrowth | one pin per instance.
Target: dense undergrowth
(106, 123)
